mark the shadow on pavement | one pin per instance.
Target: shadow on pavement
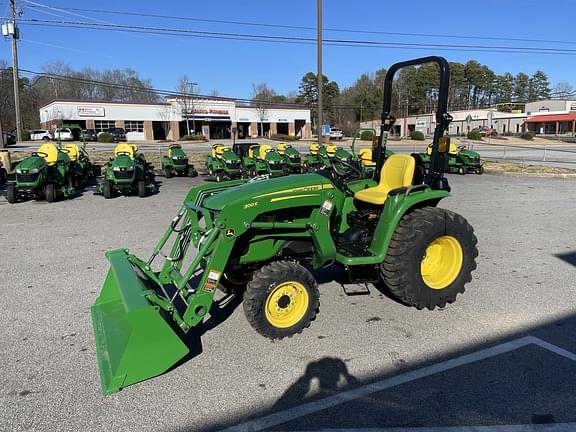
(569, 257)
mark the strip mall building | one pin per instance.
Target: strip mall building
(547, 117)
(215, 118)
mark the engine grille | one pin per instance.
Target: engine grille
(26, 178)
(123, 175)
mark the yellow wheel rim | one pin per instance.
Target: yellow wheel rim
(287, 304)
(442, 262)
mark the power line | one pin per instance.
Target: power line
(297, 39)
(294, 27)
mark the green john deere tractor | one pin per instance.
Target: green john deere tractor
(223, 164)
(176, 163)
(292, 158)
(46, 173)
(264, 237)
(263, 160)
(314, 161)
(127, 173)
(461, 160)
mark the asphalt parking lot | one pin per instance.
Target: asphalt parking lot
(502, 358)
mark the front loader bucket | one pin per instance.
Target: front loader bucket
(134, 340)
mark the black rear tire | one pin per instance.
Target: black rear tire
(11, 194)
(107, 189)
(142, 192)
(281, 299)
(168, 173)
(192, 172)
(480, 170)
(50, 192)
(402, 269)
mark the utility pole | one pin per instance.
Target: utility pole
(320, 76)
(15, 36)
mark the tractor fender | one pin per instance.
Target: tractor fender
(395, 208)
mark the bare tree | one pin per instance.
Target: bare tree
(165, 115)
(261, 98)
(563, 90)
(185, 99)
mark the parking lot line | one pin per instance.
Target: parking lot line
(290, 414)
(555, 427)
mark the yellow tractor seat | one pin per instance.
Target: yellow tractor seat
(365, 156)
(453, 149)
(397, 172)
(331, 150)
(72, 151)
(314, 149)
(214, 149)
(281, 148)
(264, 149)
(49, 152)
(220, 151)
(125, 148)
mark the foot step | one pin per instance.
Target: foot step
(354, 289)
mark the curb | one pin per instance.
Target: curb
(530, 174)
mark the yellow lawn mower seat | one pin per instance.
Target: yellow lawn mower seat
(72, 151)
(365, 156)
(220, 151)
(253, 151)
(331, 150)
(215, 149)
(281, 148)
(264, 149)
(397, 172)
(314, 149)
(126, 148)
(49, 152)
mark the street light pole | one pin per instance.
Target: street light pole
(320, 76)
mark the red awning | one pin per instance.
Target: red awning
(551, 118)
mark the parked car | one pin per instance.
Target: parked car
(65, 134)
(41, 134)
(487, 131)
(90, 135)
(8, 138)
(118, 134)
(336, 134)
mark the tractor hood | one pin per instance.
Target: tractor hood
(278, 187)
(229, 156)
(33, 162)
(122, 161)
(273, 156)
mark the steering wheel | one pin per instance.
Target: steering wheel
(123, 153)
(42, 154)
(352, 170)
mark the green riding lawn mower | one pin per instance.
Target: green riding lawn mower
(47, 173)
(223, 164)
(128, 172)
(176, 163)
(313, 161)
(262, 159)
(460, 160)
(364, 155)
(263, 238)
(292, 158)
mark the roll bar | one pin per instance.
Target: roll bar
(435, 175)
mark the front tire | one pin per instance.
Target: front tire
(430, 258)
(107, 189)
(11, 194)
(50, 192)
(281, 299)
(142, 189)
(168, 173)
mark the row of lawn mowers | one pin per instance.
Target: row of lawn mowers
(58, 171)
(247, 160)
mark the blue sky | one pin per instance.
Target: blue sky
(231, 67)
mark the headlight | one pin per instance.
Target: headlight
(18, 171)
(130, 168)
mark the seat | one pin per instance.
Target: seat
(220, 151)
(253, 151)
(397, 172)
(314, 149)
(281, 148)
(331, 150)
(214, 148)
(51, 152)
(453, 149)
(125, 148)
(72, 151)
(264, 149)
(173, 147)
(365, 156)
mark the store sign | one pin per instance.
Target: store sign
(420, 123)
(88, 111)
(210, 111)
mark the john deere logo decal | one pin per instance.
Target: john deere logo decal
(230, 232)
